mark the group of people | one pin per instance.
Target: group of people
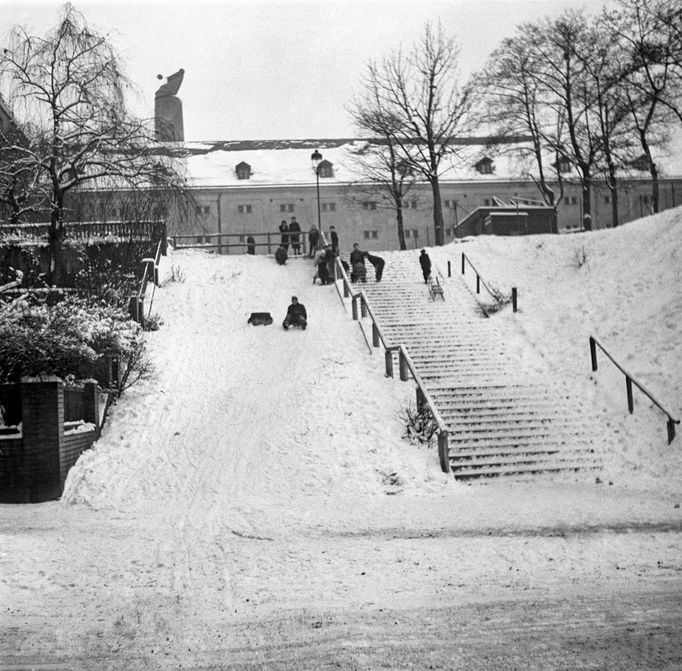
(291, 235)
(358, 270)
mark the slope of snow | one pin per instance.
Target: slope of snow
(262, 472)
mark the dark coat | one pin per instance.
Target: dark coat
(297, 311)
(281, 255)
(425, 262)
(357, 256)
(294, 229)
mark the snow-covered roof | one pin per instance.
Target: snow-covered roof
(213, 164)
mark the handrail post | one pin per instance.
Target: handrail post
(671, 430)
(478, 283)
(628, 387)
(402, 363)
(421, 401)
(363, 306)
(375, 335)
(354, 304)
(463, 257)
(449, 270)
(346, 289)
(514, 299)
(388, 358)
(593, 353)
(443, 454)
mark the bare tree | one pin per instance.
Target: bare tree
(651, 65)
(420, 94)
(69, 88)
(512, 102)
(382, 171)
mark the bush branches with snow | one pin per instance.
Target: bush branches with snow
(68, 338)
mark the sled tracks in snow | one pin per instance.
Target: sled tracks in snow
(504, 415)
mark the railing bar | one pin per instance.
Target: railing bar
(635, 382)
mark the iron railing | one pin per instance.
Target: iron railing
(629, 382)
(405, 364)
(479, 281)
(245, 243)
(150, 271)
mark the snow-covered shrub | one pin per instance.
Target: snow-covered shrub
(420, 426)
(103, 280)
(579, 256)
(176, 275)
(68, 338)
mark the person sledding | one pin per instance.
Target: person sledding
(296, 315)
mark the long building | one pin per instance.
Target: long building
(248, 187)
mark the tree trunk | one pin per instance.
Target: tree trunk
(437, 213)
(401, 226)
(587, 199)
(55, 239)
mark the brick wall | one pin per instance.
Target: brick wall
(34, 464)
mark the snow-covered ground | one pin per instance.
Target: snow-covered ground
(255, 500)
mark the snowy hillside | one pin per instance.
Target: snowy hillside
(254, 504)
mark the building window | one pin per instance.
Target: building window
(487, 202)
(369, 205)
(450, 204)
(412, 204)
(485, 166)
(325, 169)
(243, 170)
(371, 235)
(244, 209)
(563, 165)
(286, 207)
(607, 200)
(448, 232)
(573, 200)
(411, 233)
(203, 209)
(329, 207)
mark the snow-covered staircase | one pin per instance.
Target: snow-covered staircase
(503, 415)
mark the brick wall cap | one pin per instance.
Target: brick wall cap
(41, 378)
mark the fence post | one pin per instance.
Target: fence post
(269, 248)
(443, 455)
(449, 270)
(463, 257)
(478, 283)
(346, 289)
(671, 430)
(375, 335)
(628, 387)
(514, 299)
(91, 403)
(354, 304)
(388, 358)
(421, 401)
(593, 353)
(402, 363)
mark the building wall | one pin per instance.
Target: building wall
(259, 209)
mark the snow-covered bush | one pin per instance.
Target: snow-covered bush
(420, 426)
(68, 338)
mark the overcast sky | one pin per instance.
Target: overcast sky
(262, 69)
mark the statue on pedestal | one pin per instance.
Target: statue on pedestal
(168, 109)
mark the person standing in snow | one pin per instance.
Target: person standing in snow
(378, 264)
(334, 239)
(281, 255)
(313, 240)
(296, 315)
(284, 230)
(357, 264)
(294, 230)
(321, 267)
(425, 263)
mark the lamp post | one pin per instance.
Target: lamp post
(316, 159)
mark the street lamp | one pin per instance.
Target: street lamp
(316, 159)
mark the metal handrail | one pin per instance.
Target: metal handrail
(629, 381)
(479, 280)
(404, 360)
